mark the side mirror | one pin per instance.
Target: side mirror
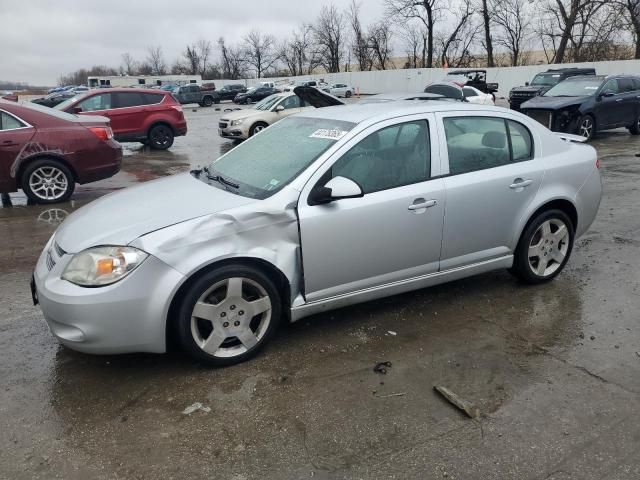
(526, 84)
(607, 94)
(77, 109)
(279, 108)
(335, 189)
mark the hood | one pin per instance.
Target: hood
(530, 89)
(317, 98)
(552, 103)
(238, 114)
(121, 217)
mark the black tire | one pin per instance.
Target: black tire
(160, 137)
(256, 128)
(55, 188)
(524, 262)
(581, 128)
(635, 128)
(192, 331)
(248, 100)
(207, 101)
(348, 94)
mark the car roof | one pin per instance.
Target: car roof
(470, 70)
(576, 78)
(357, 113)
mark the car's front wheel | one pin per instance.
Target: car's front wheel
(249, 100)
(586, 127)
(228, 315)
(544, 247)
(161, 137)
(47, 181)
(348, 94)
(257, 128)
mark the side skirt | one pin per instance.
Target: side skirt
(395, 288)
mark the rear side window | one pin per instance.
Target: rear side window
(96, 102)
(469, 92)
(152, 98)
(521, 141)
(9, 122)
(128, 99)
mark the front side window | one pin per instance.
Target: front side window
(261, 166)
(96, 102)
(611, 87)
(391, 157)
(9, 122)
(479, 143)
(291, 102)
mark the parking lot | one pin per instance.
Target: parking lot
(553, 369)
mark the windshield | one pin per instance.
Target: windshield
(270, 160)
(64, 105)
(575, 88)
(546, 79)
(268, 102)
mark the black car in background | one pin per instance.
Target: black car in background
(587, 104)
(229, 92)
(54, 99)
(254, 94)
(542, 82)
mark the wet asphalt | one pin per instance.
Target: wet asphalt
(554, 369)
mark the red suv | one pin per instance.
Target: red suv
(152, 117)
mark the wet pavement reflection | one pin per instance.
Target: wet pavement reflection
(554, 369)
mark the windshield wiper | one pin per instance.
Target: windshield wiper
(220, 179)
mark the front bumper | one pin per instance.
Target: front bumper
(125, 317)
(237, 132)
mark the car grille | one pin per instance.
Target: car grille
(517, 99)
(545, 117)
(222, 124)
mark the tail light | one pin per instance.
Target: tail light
(177, 108)
(103, 133)
(598, 164)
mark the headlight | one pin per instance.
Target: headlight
(236, 122)
(99, 266)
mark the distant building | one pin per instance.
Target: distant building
(142, 80)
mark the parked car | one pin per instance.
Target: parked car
(339, 90)
(242, 124)
(395, 97)
(54, 99)
(542, 83)
(229, 92)
(12, 97)
(209, 86)
(446, 89)
(476, 78)
(192, 93)
(319, 211)
(151, 117)
(473, 95)
(45, 152)
(254, 94)
(587, 104)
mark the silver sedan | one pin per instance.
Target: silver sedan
(324, 209)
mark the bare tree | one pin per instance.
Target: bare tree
(423, 10)
(460, 39)
(413, 38)
(379, 43)
(203, 49)
(597, 36)
(328, 33)
(359, 45)
(191, 60)
(128, 64)
(486, 23)
(260, 51)
(155, 59)
(233, 60)
(513, 19)
(631, 15)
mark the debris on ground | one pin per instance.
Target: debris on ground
(382, 367)
(391, 332)
(638, 353)
(400, 394)
(194, 408)
(467, 407)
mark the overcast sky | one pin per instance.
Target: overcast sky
(42, 39)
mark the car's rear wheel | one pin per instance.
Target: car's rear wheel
(47, 181)
(635, 128)
(586, 127)
(161, 137)
(228, 315)
(207, 101)
(348, 94)
(257, 128)
(544, 247)
(249, 100)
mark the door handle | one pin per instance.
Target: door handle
(423, 204)
(519, 183)
(8, 143)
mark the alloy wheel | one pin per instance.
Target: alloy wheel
(548, 247)
(231, 317)
(48, 183)
(258, 128)
(161, 136)
(586, 127)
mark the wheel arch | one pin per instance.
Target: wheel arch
(156, 122)
(25, 162)
(563, 204)
(274, 274)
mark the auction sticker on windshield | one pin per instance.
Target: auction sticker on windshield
(328, 134)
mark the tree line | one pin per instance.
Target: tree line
(425, 33)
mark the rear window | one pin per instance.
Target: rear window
(54, 112)
(128, 99)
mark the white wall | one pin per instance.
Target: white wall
(414, 80)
